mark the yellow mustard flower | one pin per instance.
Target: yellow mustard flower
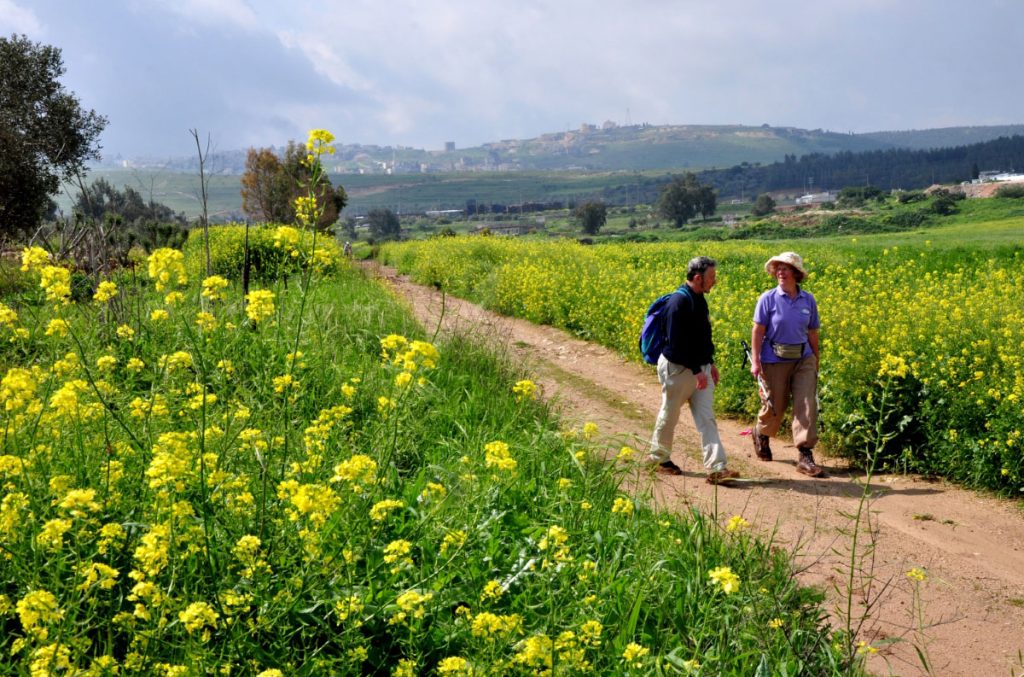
(213, 287)
(736, 523)
(33, 258)
(57, 327)
(725, 579)
(259, 304)
(623, 505)
(167, 267)
(634, 655)
(525, 390)
(917, 574)
(105, 291)
(381, 509)
(56, 282)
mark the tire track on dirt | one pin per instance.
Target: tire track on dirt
(972, 546)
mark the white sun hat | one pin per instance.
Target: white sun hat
(789, 258)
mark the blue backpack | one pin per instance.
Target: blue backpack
(652, 336)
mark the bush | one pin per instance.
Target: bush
(909, 196)
(944, 205)
(954, 195)
(271, 256)
(1013, 190)
(905, 220)
(856, 196)
(764, 205)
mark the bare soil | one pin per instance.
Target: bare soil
(970, 618)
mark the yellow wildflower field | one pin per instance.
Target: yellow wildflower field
(943, 327)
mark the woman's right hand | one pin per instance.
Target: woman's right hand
(755, 368)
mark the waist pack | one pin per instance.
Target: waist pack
(788, 351)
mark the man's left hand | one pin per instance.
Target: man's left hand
(702, 380)
(714, 374)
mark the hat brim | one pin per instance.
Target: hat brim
(769, 267)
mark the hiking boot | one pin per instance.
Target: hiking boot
(669, 468)
(807, 466)
(721, 476)
(761, 448)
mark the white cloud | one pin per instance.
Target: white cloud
(210, 12)
(419, 72)
(324, 59)
(17, 19)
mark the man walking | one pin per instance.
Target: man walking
(687, 373)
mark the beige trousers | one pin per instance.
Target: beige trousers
(679, 385)
(799, 379)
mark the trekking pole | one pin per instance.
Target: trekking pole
(762, 387)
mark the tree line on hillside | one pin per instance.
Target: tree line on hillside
(887, 169)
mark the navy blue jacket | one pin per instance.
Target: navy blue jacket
(688, 330)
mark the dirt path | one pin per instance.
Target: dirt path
(971, 546)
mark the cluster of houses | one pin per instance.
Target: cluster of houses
(999, 175)
(816, 198)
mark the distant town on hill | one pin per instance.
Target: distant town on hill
(603, 148)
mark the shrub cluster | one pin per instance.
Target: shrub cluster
(274, 251)
(1013, 190)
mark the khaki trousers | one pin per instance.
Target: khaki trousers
(679, 385)
(799, 379)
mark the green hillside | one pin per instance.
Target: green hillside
(620, 165)
(947, 137)
(402, 193)
(610, 148)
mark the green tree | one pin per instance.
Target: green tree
(763, 205)
(45, 135)
(108, 222)
(270, 186)
(101, 198)
(348, 228)
(332, 199)
(684, 198)
(384, 224)
(708, 201)
(591, 216)
(266, 191)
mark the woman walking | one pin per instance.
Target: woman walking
(785, 353)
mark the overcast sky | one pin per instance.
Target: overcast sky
(422, 72)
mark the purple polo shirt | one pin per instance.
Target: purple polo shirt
(787, 320)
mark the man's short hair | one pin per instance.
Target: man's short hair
(699, 266)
